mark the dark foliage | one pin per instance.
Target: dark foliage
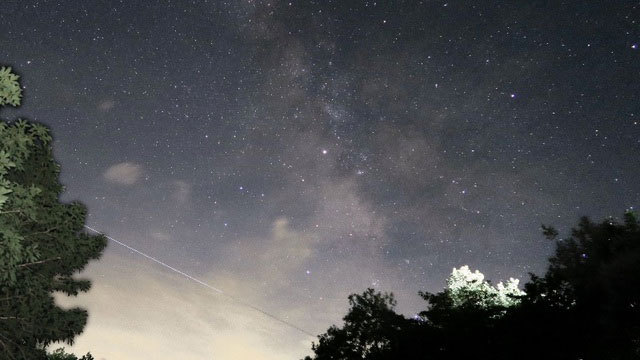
(590, 296)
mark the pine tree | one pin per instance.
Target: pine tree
(42, 240)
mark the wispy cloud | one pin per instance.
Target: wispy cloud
(181, 192)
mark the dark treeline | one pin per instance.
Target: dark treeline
(586, 306)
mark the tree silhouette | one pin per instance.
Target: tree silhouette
(42, 242)
(590, 294)
(586, 306)
(372, 330)
(467, 312)
(463, 313)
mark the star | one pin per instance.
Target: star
(371, 140)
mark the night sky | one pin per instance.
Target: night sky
(293, 152)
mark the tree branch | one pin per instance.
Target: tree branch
(43, 232)
(39, 262)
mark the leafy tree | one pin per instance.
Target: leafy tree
(42, 242)
(10, 91)
(467, 312)
(372, 330)
(466, 288)
(468, 295)
(463, 313)
(60, 354)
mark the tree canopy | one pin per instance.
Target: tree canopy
(60, 354)
(42, 240)
(371, 329)
(586, 306)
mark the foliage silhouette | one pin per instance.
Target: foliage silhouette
(592, 288)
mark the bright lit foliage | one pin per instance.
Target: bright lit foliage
(470, 288)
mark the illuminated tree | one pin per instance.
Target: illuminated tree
(459, 322)
(470, 288)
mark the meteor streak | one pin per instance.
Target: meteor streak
(252, 307)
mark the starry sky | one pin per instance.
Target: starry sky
(293, 152)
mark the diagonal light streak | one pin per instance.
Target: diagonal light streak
(241, 302)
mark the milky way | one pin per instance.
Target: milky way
(294, 152)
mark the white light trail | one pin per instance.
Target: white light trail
(255, 308)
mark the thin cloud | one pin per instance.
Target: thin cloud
(106, 105)
(125, 173)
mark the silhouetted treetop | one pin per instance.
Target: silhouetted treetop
(586, 306)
